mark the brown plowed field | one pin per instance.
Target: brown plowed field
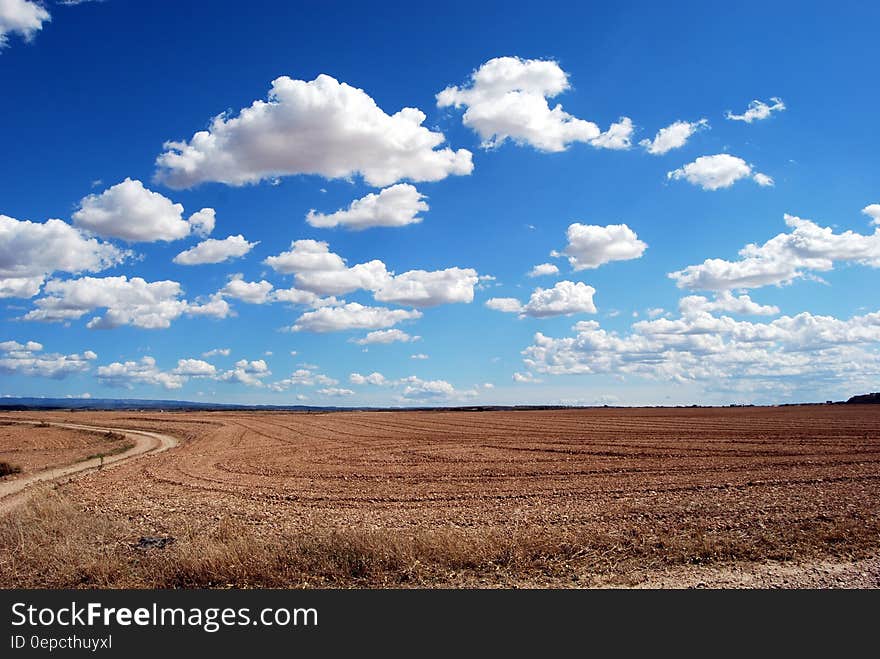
(34, 447)
(577, 497)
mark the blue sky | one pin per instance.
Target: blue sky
(772, 142)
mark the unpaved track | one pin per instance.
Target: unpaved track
(16, 491)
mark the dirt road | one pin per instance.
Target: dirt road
(14, 492)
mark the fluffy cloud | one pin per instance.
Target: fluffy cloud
(148, 305)
(128, 302)
(247, 291)
(564, 299)
(224, 352)
(20, 286)
(420, 288)
(214, 307)
(590, 246)
(674, 136)
(725, 301)
(196, 368)
(21, 17)
(783, 258)
(202, 222)
(335, 392)
(543, 270)
(618, 137)
(306, 256)
(303, 377)
(263, 292)
(145, 371)
(763, 180)
(719, 171)
(419, 355)
(322, 272)
(504, 304)
(30, 252)
(296, 296)
(215, 251)
(507, 99)
(352, 316)
(412, 388)
(131, 212)
(396, 206)
(873, 211)
(416, 389)
(374, 378)
(526, 378)
(758, 110)
(320, 127)
(29, 359)
(713, 349)
(386, 336)
(248, 373)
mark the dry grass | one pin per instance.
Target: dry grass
(51, 543)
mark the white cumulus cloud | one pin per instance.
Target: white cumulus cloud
(713, 349)
(303, 377)
(758, 110)
(248, 373)
(386, 336)
(336, 392)
(215, 251)
(590, 246)
(396, 206)
(873, 211)
(21, 17)
(543, 270)
(144, 371)
(618, 137)
(504, 304)
(421, 288)
(674, 136)
(196, 368)
(29, 359)
(252, 292)
(719, 171)
(564, 299)
(726, 301)
(31, 251)
(134, 301)
(323, 272)
(784, 258)
(507, 99)
(352, 316)
(130, 211)
(374, 378)
(321, 127)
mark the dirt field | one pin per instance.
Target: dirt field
(619, 497)
(32, 448)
